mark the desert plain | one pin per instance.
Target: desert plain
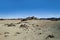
(29, 30)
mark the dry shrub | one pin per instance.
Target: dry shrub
(50, 36)
(18, 23)
(18, 33)
(6, 32)
(24, 26)
(0, 33)
(37, 25)
(39, 33)
(6, 35)
(9, 25)
(25, 22)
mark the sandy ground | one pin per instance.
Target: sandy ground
(29, 30)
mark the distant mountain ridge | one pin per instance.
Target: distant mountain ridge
(33, 17)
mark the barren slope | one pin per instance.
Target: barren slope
(29, 30)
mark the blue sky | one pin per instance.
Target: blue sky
(24, 8)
